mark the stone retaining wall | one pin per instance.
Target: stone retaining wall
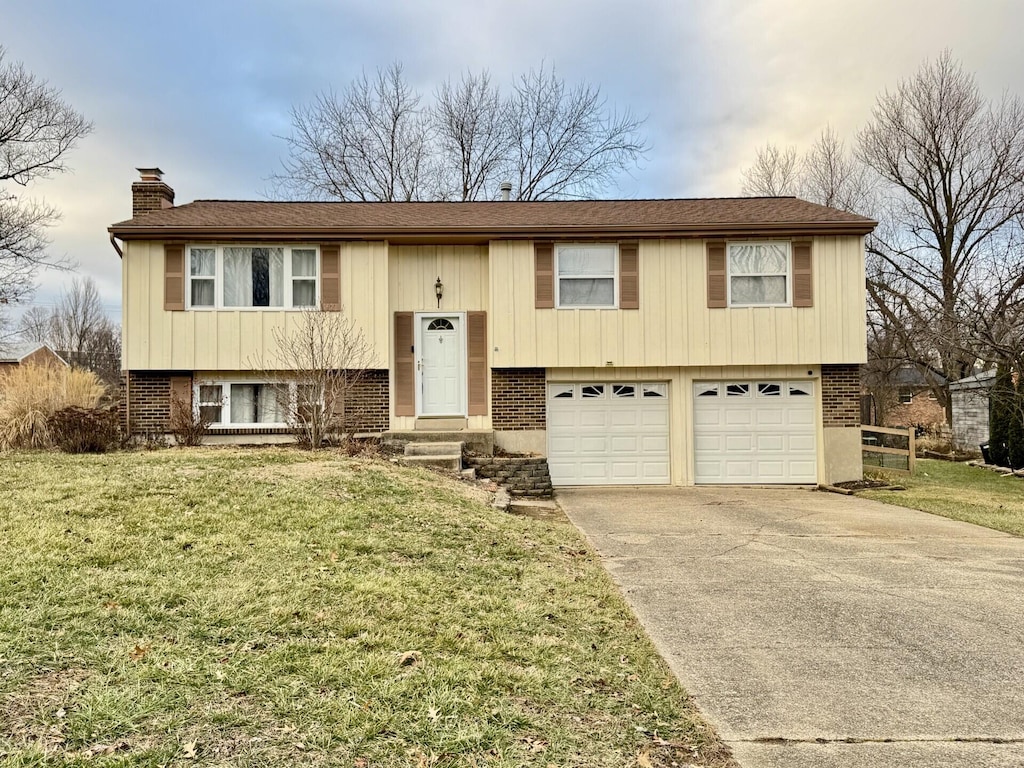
(520, 476)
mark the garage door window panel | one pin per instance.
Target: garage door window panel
(759, 274)
(587, 276)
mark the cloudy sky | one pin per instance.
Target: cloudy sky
(202, 89)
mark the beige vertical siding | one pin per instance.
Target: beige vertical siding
(237, 340)
(673, 326)
(415, 268)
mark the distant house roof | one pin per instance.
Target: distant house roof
(912, 376)
(705, 216)
(21, 351)
(983, 379)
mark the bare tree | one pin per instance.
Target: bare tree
(317, 368)
(79, 330)
(566, 143)
(473, 133)
(37, 130)
(831, 175)
(775, 173)
(953, 165)
(368, 144)
(551, 140)
(34, 325)
(942, 169)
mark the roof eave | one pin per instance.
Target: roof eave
(141, 232)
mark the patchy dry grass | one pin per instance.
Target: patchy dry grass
(960, 492)
(272, 607)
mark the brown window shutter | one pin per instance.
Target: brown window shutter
(174, 277)
(544, 275)
(803, 277)
(330, 278)
(405, 366)
(717, 286)
(629, 276)
(476, 343)
(181, 392)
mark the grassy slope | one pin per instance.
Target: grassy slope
(961, 492)
(253, 608)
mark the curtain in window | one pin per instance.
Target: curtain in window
(586, 261)
(237, 279)
(758, 259)
(202, 269)
(587, 292)
(303, 266)
(254, 277)
(243, 403)
(758, 273)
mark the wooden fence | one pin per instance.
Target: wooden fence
(879, 448)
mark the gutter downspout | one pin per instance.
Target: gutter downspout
(117, 247)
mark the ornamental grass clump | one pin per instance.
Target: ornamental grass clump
(31, 394)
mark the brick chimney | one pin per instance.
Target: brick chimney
(150, 193)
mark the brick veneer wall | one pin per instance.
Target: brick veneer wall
(840, 395)
(149, 401)
(517, 398)
(368, 402)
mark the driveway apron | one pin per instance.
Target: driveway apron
(822, 630)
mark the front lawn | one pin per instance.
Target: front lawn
(273, 607)
(960, 492)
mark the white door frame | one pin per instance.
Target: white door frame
(418, 323)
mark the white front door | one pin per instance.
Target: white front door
(440, 367)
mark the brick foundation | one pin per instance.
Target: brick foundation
(368, 403)
(840, 395)
(517, 398)
(518, 475)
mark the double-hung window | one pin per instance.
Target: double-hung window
(759, 274)
(587, 275)
(242, 277)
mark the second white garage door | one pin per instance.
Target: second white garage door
(754, 432)
(608, 433)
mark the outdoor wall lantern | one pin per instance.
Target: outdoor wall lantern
(439, 290)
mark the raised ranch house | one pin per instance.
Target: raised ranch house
(629, 341)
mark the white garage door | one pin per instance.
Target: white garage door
(754, 432)
(608, 433)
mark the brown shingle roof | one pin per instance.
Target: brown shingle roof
(696, 216)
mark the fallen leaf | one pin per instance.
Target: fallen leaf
(61, 713)
(138, 652)
(188, 750)
(643, 759)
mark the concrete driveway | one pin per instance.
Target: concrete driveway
(822, 630)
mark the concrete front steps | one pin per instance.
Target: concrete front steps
(478, 441)
(447, 455)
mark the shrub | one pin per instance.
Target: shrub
(84, 430)
(31, 394)
(187, 424)
(1015, 432)
(1000, 404)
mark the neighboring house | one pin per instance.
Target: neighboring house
(629, 341)
(30, 354)
(916, 404)
(969, 399)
